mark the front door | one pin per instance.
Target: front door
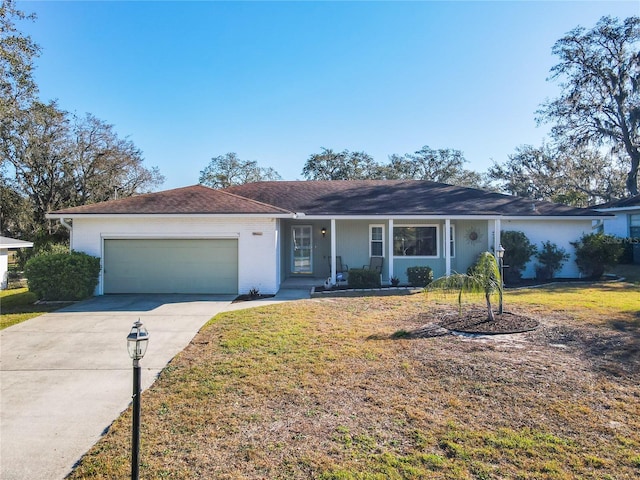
(302, 249)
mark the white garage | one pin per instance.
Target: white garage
(170, 266)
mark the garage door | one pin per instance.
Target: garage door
(171, 266)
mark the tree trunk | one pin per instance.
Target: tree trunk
(490, 316)
(632, 176)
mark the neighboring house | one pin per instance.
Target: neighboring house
(625, 223)
(200, 240)
(7, 244)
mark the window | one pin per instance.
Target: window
(452, 242)
(376, 241)
(634, 225)
(415, 241)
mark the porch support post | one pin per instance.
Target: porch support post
(497, 225)
(447, 246)
(390, 249)
(333, 250)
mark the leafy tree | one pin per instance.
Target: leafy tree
(600, 101)
(59, 164)
(39, 158)
(518, 250)
(445, 165)
(49, 159)
(227, 170)
(104, 165)
(581, 177)
(483, 278)
(17, 53)
(345, 165)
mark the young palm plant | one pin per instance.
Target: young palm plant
(483, 278)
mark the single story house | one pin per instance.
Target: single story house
(7, 244)
(625, 222)
(261, 235)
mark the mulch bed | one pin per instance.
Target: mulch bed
(473, 321)
(248, 298)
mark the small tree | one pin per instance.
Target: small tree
(518, 250)
(597, 251)
(483, 278)
(551, 259)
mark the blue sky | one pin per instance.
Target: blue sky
(276, 81)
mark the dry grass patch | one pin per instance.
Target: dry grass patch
(323, 389)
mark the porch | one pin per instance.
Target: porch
(310, 246)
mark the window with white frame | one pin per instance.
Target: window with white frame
(376, 240)
(452, 241)
(415, 241)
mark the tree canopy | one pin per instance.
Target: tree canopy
(50, 159)
(227, 170)
(599, 74)
(581, 177)
(444, 165)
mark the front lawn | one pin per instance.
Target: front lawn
(18, 305)
(325, 389)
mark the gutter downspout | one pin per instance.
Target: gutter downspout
(69, 227)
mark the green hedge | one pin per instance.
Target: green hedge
(62, 276)
(363, 278)
(420, 276)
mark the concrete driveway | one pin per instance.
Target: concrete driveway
(65, 376)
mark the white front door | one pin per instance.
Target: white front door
(301, 246)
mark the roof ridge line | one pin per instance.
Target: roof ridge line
(235, 195)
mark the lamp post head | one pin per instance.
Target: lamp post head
(137, 341)
(500, 251)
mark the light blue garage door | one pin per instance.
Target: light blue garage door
(171, 266)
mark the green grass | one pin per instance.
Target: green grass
(588, 302)
(322, 389)
(18, 305)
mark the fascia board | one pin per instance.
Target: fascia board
(618, 209)
(455, 217)
(167, 215)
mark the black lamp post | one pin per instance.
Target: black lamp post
(137, 345)
(500, 253)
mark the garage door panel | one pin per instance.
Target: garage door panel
(171, 266)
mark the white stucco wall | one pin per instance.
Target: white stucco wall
(560, 232)
(4, 267)
(257, 240)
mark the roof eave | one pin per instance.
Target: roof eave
(55, 216)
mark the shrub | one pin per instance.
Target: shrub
(597, 251)
(363, 278)
(420, 276)
(63, 276)
(41, 246)
(517, 253)
(551, 259)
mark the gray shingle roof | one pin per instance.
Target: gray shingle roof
(622, 203)
(196, 199)
(335, 198)
(396, 197)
